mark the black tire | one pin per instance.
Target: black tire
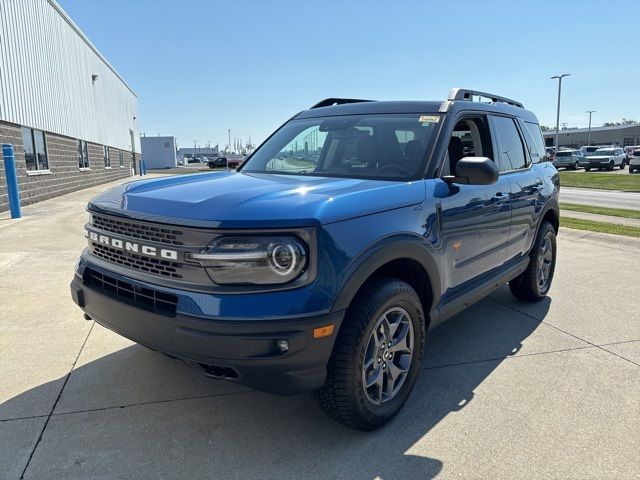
(587, 169)
(526, 286)
(610, 166)
(622, 165)
(575, 166)
(343, 395)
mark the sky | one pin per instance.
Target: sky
(200, 67)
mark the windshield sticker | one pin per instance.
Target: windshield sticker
(428, 119)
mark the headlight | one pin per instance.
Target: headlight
(253, 260)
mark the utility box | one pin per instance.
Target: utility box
(158, 152)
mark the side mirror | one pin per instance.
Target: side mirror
(474, 171)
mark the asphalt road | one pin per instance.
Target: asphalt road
(508, 389)
(603, 198)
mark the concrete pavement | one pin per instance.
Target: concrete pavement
(509, 390)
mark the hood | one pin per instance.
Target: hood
(238, 200)
(601, 157)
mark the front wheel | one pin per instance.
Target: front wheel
(534, 283)
(610, 167)
(377, 356)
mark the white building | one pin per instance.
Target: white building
(71, 117)
(158, 152)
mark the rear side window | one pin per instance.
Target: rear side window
(511, 154)
(535, 142)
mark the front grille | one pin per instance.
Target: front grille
(140, 297)
(129, 228)
(142, 263)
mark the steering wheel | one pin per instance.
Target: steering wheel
(392, 167)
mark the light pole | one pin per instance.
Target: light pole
(559, 77)
(589, 136)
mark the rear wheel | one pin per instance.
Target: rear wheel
(377, 356)
(534, 283)
(587, 169)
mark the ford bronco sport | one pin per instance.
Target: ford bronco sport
(321, 264)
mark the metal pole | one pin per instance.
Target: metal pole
(12, 180)
(559, 77)
(589, 136)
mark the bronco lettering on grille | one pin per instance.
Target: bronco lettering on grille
(131, 247)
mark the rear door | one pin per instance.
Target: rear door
(525, 182)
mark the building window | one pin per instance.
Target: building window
(35, 149)
(83, 155)
(627, 141)
(107, 158)
(121, 158)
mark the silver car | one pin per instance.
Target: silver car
(608, 157)
(567, 159)
(634, 163)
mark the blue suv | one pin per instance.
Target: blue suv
(323, 261)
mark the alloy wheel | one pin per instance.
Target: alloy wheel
(545, 260)
(388, 356)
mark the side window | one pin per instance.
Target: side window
(470, 138)
(510, 149)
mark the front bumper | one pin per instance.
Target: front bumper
(243, 351)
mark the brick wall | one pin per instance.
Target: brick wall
(65, 175)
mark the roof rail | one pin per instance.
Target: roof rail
(467, 95)
(327, 102)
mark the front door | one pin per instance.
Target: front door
(475, 219)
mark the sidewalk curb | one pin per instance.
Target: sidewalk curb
(620, 242)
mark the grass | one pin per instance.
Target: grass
(615, 212)
(605, 181)
(603, 227)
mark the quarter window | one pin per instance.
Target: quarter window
(534, 141)
(35, 149)
(83, 155)
(107, 158)
(510, 149)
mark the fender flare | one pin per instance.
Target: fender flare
(381, 254)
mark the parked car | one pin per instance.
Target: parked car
(608, 157)
(588, 150)
(567, 159)
(193, 160)
(329, 277)
(629, 152)
(634, 163)
(219, 162)
(234, 162)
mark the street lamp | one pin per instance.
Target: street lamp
(589, 136)
(559, 77)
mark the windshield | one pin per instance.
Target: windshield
(563, 154)
(636, 153)
(388, 147)
(605, 152)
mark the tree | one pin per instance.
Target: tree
(624, 121)
(544, 128)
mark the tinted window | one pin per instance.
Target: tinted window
(83, 154)
(535, 142)
(510, 149)
(29, 150)
(563, 154)
(35, 149)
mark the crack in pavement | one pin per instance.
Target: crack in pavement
(64, 384)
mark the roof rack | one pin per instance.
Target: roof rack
(327, 102)
(467, 95)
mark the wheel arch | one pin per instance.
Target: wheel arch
(406, 260)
